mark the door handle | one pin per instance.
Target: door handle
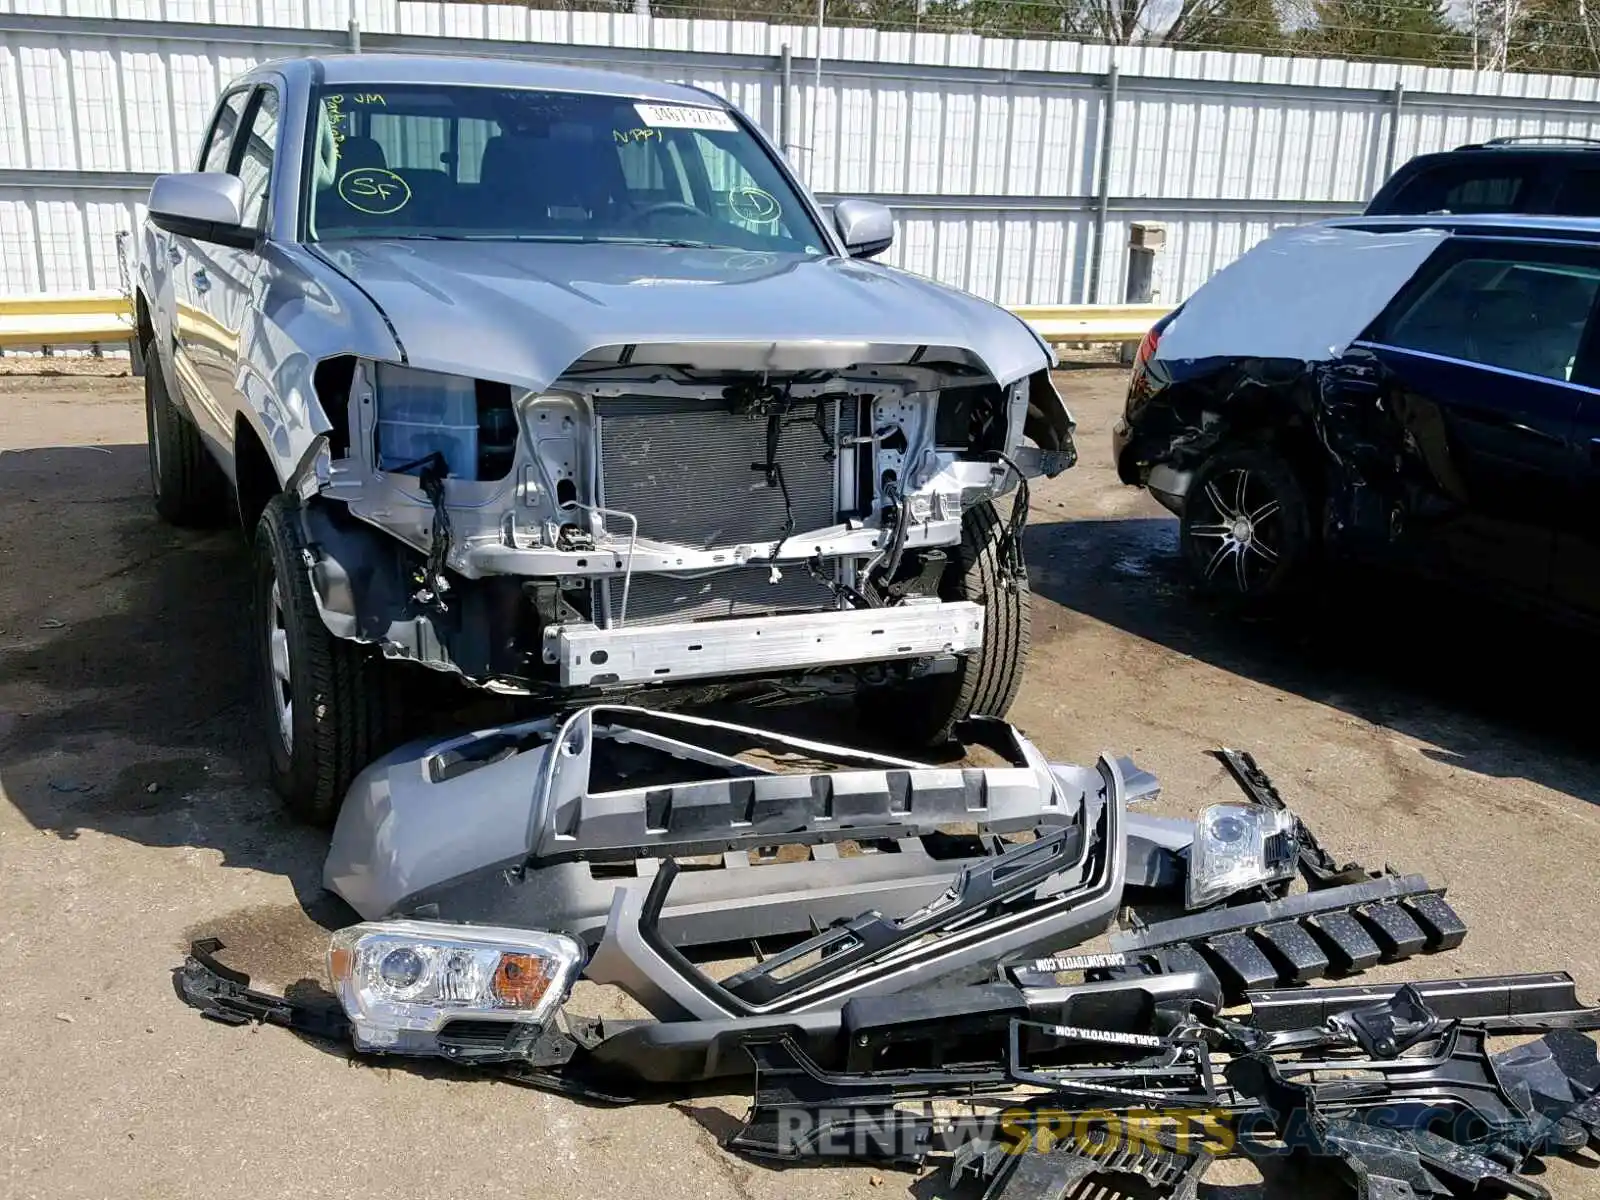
(202, 281)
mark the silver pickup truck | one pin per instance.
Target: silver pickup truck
(560, 381)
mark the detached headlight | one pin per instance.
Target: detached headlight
(1237, 846)
(401, 981)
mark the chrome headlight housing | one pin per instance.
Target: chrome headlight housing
(1237, 846)
(401, 982)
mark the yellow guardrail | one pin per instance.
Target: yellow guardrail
(1058, 323)
(80, 320)
(28, 321)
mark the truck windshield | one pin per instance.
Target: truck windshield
(426, 161)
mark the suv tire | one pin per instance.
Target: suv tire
(328, 706)
(1245, 532)
(925, 711)
(190, 489)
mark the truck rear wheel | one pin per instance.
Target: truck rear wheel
(925, 711)
(329, 706)
(190, 489)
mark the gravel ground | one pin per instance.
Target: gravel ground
(1406, 728)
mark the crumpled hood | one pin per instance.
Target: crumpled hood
(523, 312)
(1305, 292)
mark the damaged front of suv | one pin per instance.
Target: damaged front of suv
(648, 418)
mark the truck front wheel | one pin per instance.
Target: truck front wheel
(925, 711)
(329, 706)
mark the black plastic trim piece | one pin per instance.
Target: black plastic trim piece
(1333, 930)
(1007, 874)
(1506, 1003)
(1018, 870)
(222, 994)
(1262, 912)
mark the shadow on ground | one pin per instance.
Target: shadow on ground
(1490, 690)
(123, 668)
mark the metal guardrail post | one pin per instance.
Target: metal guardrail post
(1108, 119)
(1145, 239)
(1399, 100)
(785, 98)
(355, 36)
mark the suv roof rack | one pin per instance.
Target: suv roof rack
(1521, 139)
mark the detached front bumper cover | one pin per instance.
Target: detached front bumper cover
(855, 1032)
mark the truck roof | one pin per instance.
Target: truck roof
(358, 69)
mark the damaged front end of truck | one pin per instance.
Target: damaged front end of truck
(668, 512)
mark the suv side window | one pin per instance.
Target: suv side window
(1519, 312)
(214, 154)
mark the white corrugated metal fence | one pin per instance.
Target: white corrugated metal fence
(989, 150)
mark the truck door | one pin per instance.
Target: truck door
(223, 277)
(189, 262)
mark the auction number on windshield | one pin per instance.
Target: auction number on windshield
(684, 116)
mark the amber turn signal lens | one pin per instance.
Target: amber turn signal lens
(520, 981)
(341, 963)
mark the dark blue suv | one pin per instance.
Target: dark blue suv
(1458, 434)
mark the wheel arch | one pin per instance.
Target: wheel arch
(144, 330)
(1294, 441)
(255, 474)
(144, 334)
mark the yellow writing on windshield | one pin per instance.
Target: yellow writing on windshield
(334, 107)
(374, 190)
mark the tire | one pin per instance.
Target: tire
(343, 705)
(190, 489)
(1246, 531)
(925, 711)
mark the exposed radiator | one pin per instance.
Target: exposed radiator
(690, 472)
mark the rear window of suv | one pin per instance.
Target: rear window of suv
(1482, 187)
(1580, 194)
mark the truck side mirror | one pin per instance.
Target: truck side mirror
(205, 205)
(866, 227)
